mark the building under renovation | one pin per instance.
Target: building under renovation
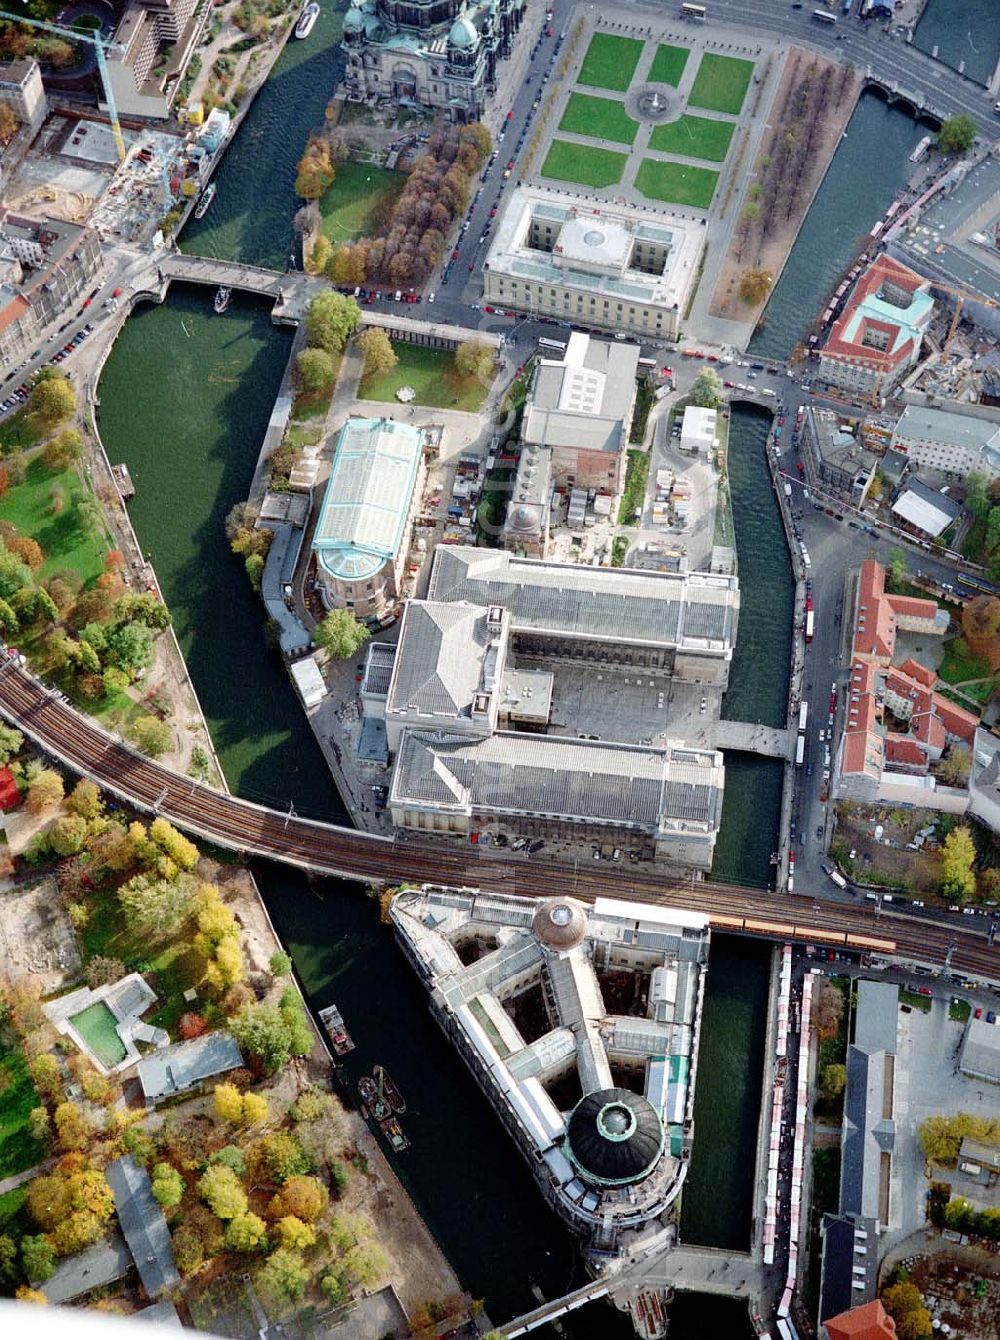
(581, 1028)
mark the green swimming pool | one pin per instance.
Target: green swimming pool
(96, 1025)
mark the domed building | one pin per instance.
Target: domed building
(431, 54)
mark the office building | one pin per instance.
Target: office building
(876, 339)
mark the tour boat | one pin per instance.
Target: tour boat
(222, 299)
(333, 1024)
(388, 1091)
(307, 20)
(207, 196)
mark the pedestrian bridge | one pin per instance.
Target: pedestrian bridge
(752, 738)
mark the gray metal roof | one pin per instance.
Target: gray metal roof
(160, 1314)
(584, 399)
(850, 1263)
(143, 1224)
(378, 668)
(981, 1050)
(442, 658)
(920, 424)
(105, 1262)
(616, 605)
(174, 1069)
(552, 775)
(876, 1019)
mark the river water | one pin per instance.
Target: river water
(869, 167)
(185, 400)
(962, 30)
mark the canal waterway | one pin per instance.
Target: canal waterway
(962, 30)
(869, 167)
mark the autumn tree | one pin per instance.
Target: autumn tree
(29, 551)
(45, 791)
(282, 1156)
(942, 1136)
(475, 359)
(283, 1277)
(52, 401)
(62, 450)
(153, 736)
(828, 1009)
(85, 800)
(981, 629)
(755, 285)
(316, 173)
(167, 1185)
(376, 350)
(330, 320)
(905, 1304)
(73, 1130)
(954, 765)
(222, 1192)
(303, 1197)
(340, 634)
(246, 1233)
(295, 1234)
(8, 122)
(833, 1079)
(958, 853)
(11, 741)
(313, 370)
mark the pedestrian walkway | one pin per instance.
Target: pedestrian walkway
(18, 1179)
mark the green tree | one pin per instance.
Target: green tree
(475, 359)
(313, 370)
(14, 574)
(189, 1250)
(958, 853)
(144, 609)
(330, 320)
(340, 634)
(222, 1191)
(284, 1276)
(957, 134)
(977, 498)
(264, 1032)
(231, 1156)
(377, 352)
(153, 736)
(9, 1273)
(896, 569)
(62, 450)
(37, 1258)
(11, 741)
(246, 1233)
(129, 647)
(67, 834)
(707, 390)
(955, 764)
(85, 800)
(168, 1185)
(52, 401)
(833, 1080)
(279, 963)
(155, 908)
(283, 1156)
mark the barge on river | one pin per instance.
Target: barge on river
(333, 1025)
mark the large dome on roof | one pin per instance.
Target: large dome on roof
(559, 923)
(614, 1136)
(463, 35)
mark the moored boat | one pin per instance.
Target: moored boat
(333, 1025)
(394, 1133)
(307, 21)
(222, 299)
(207, 196)
(388, 1090)
(374, 1103)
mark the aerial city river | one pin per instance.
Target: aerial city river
(185, 398)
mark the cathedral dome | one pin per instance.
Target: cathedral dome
(353, 20)
(463, 35)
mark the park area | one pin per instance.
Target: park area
(432, 375)
(583, 164)
(610, 62)
(676, 183)
(694, 137)
(601, 118)
(360, 193)
(721, 84)
(54, 508)
(19, 1149)
(668, 65)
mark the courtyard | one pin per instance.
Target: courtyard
(359, 192)
(649, 92)
(432, 375)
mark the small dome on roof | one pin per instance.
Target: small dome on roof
(353, 20)
(523, 517)
(463, 35)
(559, 923)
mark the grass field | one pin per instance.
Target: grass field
(431, 373)
(19, 431)
(18, 1147)
(68, 539)
(583, 165)
(677, 183)
(668, 65)
(694, 137)
(721, 83)
(603, 118)
(610, 62)
(359, 189)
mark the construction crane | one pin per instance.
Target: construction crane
(960, 295)
(100, 47)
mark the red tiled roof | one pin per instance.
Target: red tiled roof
(919, 672)
(913, 606)
(901, 749)
(862, 753)
(854, 351)
(870, 1322)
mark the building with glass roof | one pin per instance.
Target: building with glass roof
(363, 532)
(619, 266)
(432, 54)
(581, 1026)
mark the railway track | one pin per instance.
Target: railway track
(84, 747)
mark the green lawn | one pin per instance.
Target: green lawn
(668, 64)
(67, 539)
(959, 663)
(18, 1147)
(431, 373)
(610, 62)
(721, 83)
(583, 165)
(678, 183)
(359, 190)
(602, 118)
(959, 1009)
(915, 1002)
(694, 137)
(634, 492)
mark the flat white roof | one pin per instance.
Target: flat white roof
(665, 916)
